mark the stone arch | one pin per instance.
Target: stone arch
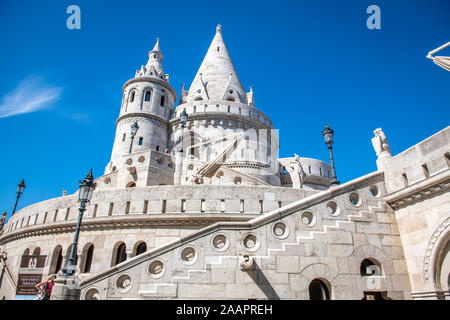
(119, 253)
(319, 289)
(318, 271)
(87, 257)
(371, 252)
(26, 252)
(131, 184)
(436, 254)
(67, 255)
(56, 260)
(139, 248)
(37, 251)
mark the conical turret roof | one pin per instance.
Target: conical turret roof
(216, 79)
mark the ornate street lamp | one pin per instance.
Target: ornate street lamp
(327, 134)
(87, 187)
(20, 187)
(183, 119)
(134, 129)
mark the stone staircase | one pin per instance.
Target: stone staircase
(217, 261)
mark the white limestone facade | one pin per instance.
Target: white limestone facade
(226, 219)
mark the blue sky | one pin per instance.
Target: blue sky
(309, 62)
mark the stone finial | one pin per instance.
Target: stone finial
(219, 28)
(64, 193)
(382, 148)
(380, 143)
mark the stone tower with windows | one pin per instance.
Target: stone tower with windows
(139, 152)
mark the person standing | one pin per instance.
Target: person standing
(45, 288)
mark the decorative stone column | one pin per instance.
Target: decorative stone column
(66, 288)
(178, 167)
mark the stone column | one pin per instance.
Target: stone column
(66, 288)
(178, 167)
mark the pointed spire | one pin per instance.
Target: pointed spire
(153, 67)
(156, 47)
(216, 74)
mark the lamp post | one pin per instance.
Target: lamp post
(20, 187)
(327, 134)
(134, 129)
(183, 119)
(87, 187)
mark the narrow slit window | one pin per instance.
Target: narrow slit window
(94, 213)
(183, 205)
(124, 136)
(242, 205)
(147, 96)
(140, 141)
(405, 179)
(145, 206)
(447, 158)
(132, 96)
(426, 173)
(261, 206)
(222, 205)
(127, 207)
(111, 207)
(163, 101)
(163, 209)
(202, 205)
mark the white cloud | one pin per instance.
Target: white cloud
(32, 94)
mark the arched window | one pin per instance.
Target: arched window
(120, 254)
(318, 290)
(133, 93)
(69, 250)
(163, 100)
(140, 248)
(370, 267)
(131, 185)
(57, 260)
(147, 96)
(37, 251)
(88, 255)
(26, 252)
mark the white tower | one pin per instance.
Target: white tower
(139, 151)
(227, 140)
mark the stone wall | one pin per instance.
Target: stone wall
(418, 182)
(325, 236)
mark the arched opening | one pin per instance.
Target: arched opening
(26, 252)
(163, 101)
(318, 290)
(57, 260)
(370, 267)
(131, 185)
(443, 268)
(147, 96)
(67, 256)
(37, 251)
(88, 254)
(140, 248)
(133, 93)
(119, 253)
